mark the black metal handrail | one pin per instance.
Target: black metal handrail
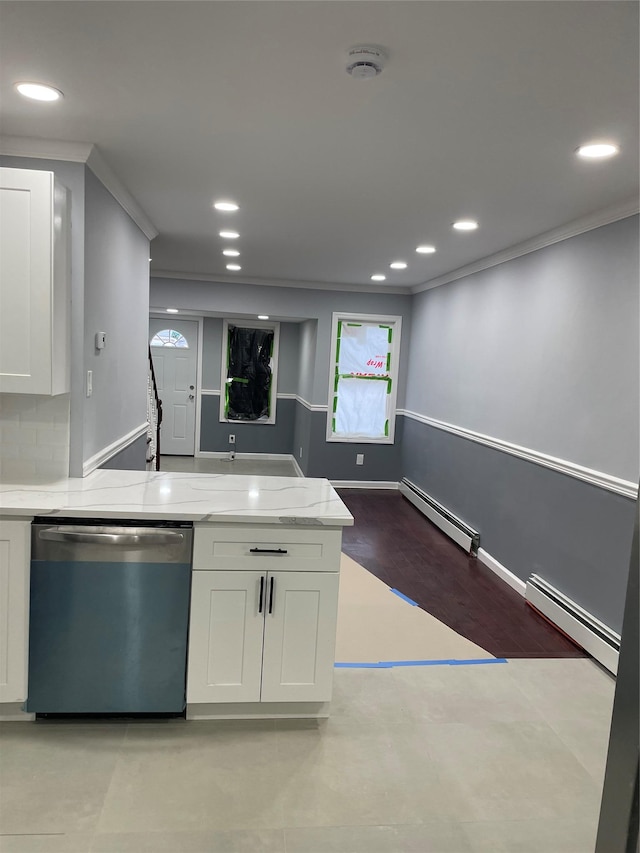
(158, 403)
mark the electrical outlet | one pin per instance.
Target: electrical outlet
(89, 383)
(359, 458)
(232, 439)
(300, 454)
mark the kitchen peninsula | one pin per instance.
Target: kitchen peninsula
(266, 560)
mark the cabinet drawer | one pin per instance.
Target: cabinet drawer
(266, 548)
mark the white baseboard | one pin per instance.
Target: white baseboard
(210, 454)
(11, 712)
(364, 484)
(502, 572)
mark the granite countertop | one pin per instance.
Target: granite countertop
(181, 497)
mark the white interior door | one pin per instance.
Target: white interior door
(174, 350)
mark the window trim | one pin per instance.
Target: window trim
(395, 321)
(273, 396)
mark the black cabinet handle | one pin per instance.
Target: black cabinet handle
(261, 594)
(271, 596)
(268, 551)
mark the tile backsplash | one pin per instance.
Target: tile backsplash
(34, 437)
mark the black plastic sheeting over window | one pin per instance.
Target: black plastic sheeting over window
(249, 391)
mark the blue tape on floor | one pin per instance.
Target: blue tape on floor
(404, 597)
(389, 664)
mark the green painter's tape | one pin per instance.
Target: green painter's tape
(333, 424)
(337, 350)
(335, 384)
(353, 376)
(388, 362)
(335, 403)
(386, 428)
(390, 334)
(354, 324)
(389, 386)
(238, 379)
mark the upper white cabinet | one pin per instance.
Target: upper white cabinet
(34, 283)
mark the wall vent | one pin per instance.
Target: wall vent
(587, 631)
(454, 527)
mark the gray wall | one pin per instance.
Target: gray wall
(116, 301)
(307, 363)
(541, 351)
(132, 458)
(72, 176)
(250, 438)
(284, 302)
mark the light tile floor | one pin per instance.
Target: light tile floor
(207, 465)
(502, 758)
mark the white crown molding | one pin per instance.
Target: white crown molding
(107, 176)
(610, 214)
(45, 149)
(81, 152)
(271, 282)
(108, 452)
(579, 472)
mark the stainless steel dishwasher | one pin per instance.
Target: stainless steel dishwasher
(109, 616)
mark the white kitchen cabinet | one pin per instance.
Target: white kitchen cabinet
(262, 636)
(34, 283)
(264, 608)
(14, 609)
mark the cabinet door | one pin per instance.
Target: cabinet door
(225, 637)
(34, 334)
(299, 637)
(14, 609)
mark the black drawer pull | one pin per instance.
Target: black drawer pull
(271, 596)
(261, 594)
(268, 551)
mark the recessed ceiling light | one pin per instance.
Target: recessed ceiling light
(231, 253)
(39, 91)
(398, 265)
(426, 250)
(378, 277)
(263, 316)
(172, 311)
(597, 150)
(465, 225)
(226, 206)
(233, 267)
(229, 235)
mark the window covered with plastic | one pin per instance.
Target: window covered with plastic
(249, 372)
(362, 399)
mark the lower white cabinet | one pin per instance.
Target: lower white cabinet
(14, 609)
(262, 636)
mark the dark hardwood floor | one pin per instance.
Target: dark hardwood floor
(397, 544)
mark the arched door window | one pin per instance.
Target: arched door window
(169, 338)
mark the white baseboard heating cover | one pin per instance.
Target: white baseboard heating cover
(594, 636)
(454, 527)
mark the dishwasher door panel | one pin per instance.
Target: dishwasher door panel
(108, 637)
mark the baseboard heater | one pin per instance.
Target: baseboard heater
(591, 634)
(458, 530)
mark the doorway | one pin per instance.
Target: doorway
(174, 346)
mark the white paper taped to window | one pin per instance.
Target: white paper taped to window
(363, 349)
(361, 408)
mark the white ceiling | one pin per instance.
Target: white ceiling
(478, 113)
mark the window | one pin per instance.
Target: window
(249, 371)
(363, 378)
(169, 338)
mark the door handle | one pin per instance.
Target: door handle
(261, 594)
(267, 550)
(111, 536)
(191, 396)
(272, 584)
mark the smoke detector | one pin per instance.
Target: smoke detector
(365, 61)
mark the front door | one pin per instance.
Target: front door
(174, 350)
